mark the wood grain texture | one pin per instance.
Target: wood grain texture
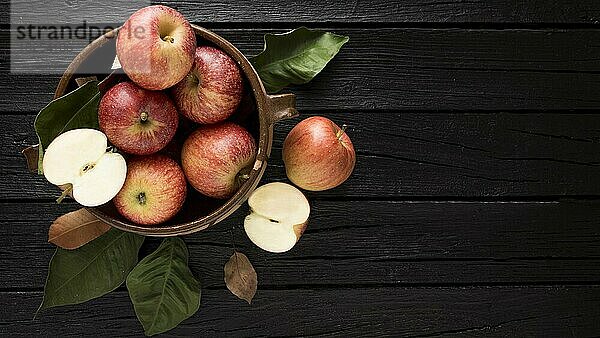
(376, 243)
(411, 154)
(400, 69)
(371, 11)
(395, 312)
(444, 100)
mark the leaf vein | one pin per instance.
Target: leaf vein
(91, 261)
(162, 294)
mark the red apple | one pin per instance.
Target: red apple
(212, 90)
(154, 190)
(156, 47)
(136, 120)
(318, 155)
(217, 158)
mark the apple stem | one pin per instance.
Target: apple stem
(168, 38)
(243, 175)
(144, 116)
(141, 197)
(64, 194)
(341, 132)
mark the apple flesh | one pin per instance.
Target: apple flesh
(279, 215)
(155, 47)
(80, 157)
(318, 155)
(154, 190)
(136, 120)
(212, 90)
(218, 158)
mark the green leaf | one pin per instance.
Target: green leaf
(77, 109)
(162, 288)
(95, 269)
(295, 57)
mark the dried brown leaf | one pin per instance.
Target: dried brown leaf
(32, 156)
(83, 80)
(240, 277)
(75, 229)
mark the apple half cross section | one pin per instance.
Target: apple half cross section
(279, 215)
(80, 157)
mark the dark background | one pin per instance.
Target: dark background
(474, 208)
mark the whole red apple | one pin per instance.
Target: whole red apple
(212, 90)
(154, 190)
(156, 47)
(136, 120)
(217, 158)
(318, 155)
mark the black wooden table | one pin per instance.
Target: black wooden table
(474, 208)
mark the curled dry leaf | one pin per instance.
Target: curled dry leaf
(240, 277)
(73, 230)
(31, 154)
(83, 80)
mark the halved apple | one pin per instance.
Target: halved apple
(279, 215)
(81, 157)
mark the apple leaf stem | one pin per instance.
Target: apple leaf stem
(341, 132)
(168, 38)
(64, 194)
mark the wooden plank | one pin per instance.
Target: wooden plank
(390, 243)
(372, 11)
(412, 154)
(551, 311)
(404, 69)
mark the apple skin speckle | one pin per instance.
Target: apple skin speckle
(318, 155)
(213, 156)
(119, 115)
(212, 90)
(147, 59)
(163, 185)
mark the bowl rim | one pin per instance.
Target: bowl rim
(269, 109)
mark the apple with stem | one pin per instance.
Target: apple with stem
(279, 215)
(218, 158)
(212, 90)
(154, 190)
(155, 47)
(318, 155)
(136, 120)
(81, 160)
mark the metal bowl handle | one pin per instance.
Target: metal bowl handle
(281, 107)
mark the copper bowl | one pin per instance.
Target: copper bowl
(200, 212)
